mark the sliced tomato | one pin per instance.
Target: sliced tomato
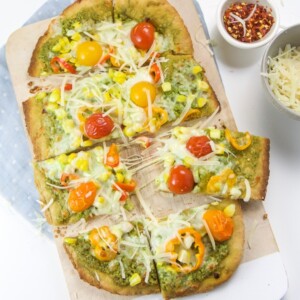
(142, 35)
(68, 87)
(98, 125)
(181, 180)
(128, 187)
(82, 197)
(199, 145)
(112, 157)
(220, 226)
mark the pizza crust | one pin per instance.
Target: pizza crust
(101, 8)
(227, 266)
(33, 112)
(105, 281)
(162, 15)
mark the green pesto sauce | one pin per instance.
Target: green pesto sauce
(53, 129)
(46, 53)
(86, 259)
(170, 280)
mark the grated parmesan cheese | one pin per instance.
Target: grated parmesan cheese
(284, 76)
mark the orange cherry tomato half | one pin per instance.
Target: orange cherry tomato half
(181, 180)
(82, 197)
(112, 157)
(140, 92)
(199, 145)
(142, 35)
(88, 53)
(220, 226)
(98, 125)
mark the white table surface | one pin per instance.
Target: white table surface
(29, 264)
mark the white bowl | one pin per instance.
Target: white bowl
(291, 36)
(224, 4)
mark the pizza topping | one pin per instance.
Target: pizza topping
(241, 141)
(128, 187)
(98, 126)
(159, 117)
(104, 243)
(67, 178)
(57, 64)
(199, 145)
(141, 92)
(135, 279)
(112, 157)
(219, 224)
(155, 72)
(88, 53)
(142, 35)
(221, 183)
(186, 259)
(82, 197)
(181, 180)
(68, 87)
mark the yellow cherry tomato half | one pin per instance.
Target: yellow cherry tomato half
(88, 53)
(141, 91)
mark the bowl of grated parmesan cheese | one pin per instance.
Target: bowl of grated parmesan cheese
(280, 71)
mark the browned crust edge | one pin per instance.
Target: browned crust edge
(33, 112)
(102, 8)
(228, 265)
(259, 190)
(105, 281)
(162, 15)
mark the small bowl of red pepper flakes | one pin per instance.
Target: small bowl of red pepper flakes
(248, 24)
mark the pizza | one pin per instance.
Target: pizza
(117, 105)
(96, 34)
(115, 258)
(193, 250)
(117, 72)
(84, 185)
(216, 162)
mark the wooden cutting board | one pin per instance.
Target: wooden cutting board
(259, 239)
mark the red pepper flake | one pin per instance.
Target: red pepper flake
(248, 22)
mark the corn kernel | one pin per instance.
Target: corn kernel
(107, 97)
(56, 47)
(188, 161)
(104, 176)
(71, 157)
(229, 210)
(68, 125)
(52, 107)
(54, 96)
(82, 164)
(196, 70)
(40, 95)
(166, 177)
(119, 77)
(220, 149)
(201, 102)
(60, 113)
(77, 142)
(76, 25)
(101, 199)
(73, 60)
(181, 98)
(135, 279)
(87, 143)
(76, 36)
(120, 177)
(203, 86)
(63, 159)
(70, 241)
(215, 133)
(129, 131)
(166, 86)
(111, 73)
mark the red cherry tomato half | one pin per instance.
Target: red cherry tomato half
(142, 35)
(98, 125)
(181, 180)
(199, 145)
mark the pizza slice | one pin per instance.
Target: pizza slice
(216, 162)
(85, 36)
(115, 258)
(197, 249)
(83, 185)
(116, 104)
